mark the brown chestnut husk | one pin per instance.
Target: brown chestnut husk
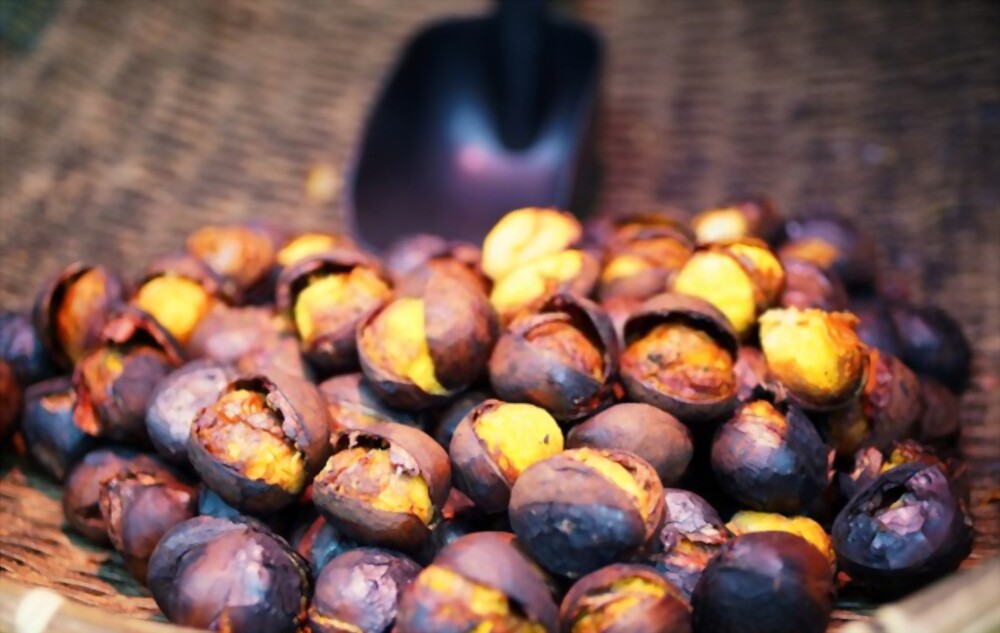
(765, 582)
(891, 401)
(563, 358)
(642, 263)
(413, 260)
(652, 434)
(252, 339)
(871, 462)
(353, 405)
(808, 285)
(241, 255)
(933, 345)
(751, 371)
(359, 591)
(586, 508)
(833, 242)
(679, 355)
(22, 349)
(451, 416)
(50, 431)
(624, 598)
(319, 542)
(350, 492)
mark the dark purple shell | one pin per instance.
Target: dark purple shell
(50, 430)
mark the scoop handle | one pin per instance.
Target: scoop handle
(521, 25)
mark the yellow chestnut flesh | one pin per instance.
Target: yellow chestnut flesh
(681, 361)
(747, 521)
(396, 341)
(535, 280)
(331, 301)
(236, 252)
(616, 474)
(381, 479)
(306, 245)
(720, 225)
(525, 235)
(518, 435)
(768, 273)
(720, 280)
(178, 304)
(469, 601)
(84, 297)
(599, 610)
(625, 265)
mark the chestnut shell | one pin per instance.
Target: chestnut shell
(319, 542)
(807, 285)
(692, 533)
(50, 431)
(22, 348)
(934, 345)
(353, 405)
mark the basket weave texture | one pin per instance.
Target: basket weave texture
(133, 122)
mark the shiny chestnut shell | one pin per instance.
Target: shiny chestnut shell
(50, 431)
(353, 405)
(933, 344)
(22, 348)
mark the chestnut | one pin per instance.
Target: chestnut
(71, 310)
(741, 279)
(176, 402)
(525, 288)
(585, 508)
(178, 291)
(940, 421)
(833, 242)
(251, 339)
(353, 405)
(139, 508)
(808, 285)
(384, 485)
(359, 591)
(50, 430)
(679, 354)
(891, 401)
(229, 575)
(418, 353)
(875, 327)
(624, 599)
(770, 457)
(114, 382)
(652, 434)
(564, 358)
(764, 582)
(326, 296)
(261, 442)
(22, 348)
(494, 444)
(240, 255)
(412, 261)
(903, 531)
(751, 371)
(607, 230)
(816, 356)
(526, 235)
(870, 462)
(481, 582)
(692, 534)
(319, 542)
(749, 521)
(11, 400)
(934, 345)
(642, 263)
(619, 309)
(451, 416)
(305, 245)
(81, 492)
(737, 220)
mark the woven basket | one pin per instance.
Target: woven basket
(132, 122)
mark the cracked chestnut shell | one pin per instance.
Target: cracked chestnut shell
(906, 529)
(808, 285)
(385, 485)
(413, 260)
(261, 442)
(481, 580)
(934, 345)
(177, 401)
(228, 575)
(326, 296)
(139, 508)
(353, 405)
(178, 291)
(319, 542)
(585, 508)
(679, 355)
(891, 401)
(750, 521)
(419, 353)
(114, 382)
(736, 220)
(834, 242)
(765, 582)
(641, 263)
(494, 444)
(50, 431)
(22, 348)
(72, 308)
(525, 235)
(624, 599)
(870, 462)
(770, 457)
(252, 339)
(359, 591)
(11, 400)
(564, 358)
(526, 288)
(241, 256)
(652, 434)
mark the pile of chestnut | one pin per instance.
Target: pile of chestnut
(640, 425)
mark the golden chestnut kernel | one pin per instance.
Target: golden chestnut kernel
(616, 474)
(330, 301)
(240, 253)
(816, 355)
(381, 478)
(600, 609)
(535, 280)
(309, 244)
(525, 235)
(766, 270)
(177, 303)
(720, 225)
(396, 341)
(747, 521)
(518, 435)
(719, 279)
(472, 602)
(84, 297)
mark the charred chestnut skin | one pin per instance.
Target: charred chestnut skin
(875, 326)
(893, 556)
(353, 405)
(139, 508)
(11, 400)
(751, 371)
(807, 285)
(652, 434)
(655, 253)
(23, 350)
(764, 582)
(49, 428)
(450, 417)
(319, 542)
(523, 368)
(176, 402)
(891, 400)
(412, 261)
(770, 457)
(489, 559)
(253, 339)
(228, 575)
(668, 613)
(357, 518)
(692, 534)
(941, 420)
(360, 589)
(833, 242)
(304, 425)
(934, 345)
(572, 520)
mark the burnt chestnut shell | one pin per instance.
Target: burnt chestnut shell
(23, 350)
(50, 430)
(934, 345)
(319, 542)
(841, 245)
(451, 416)
(251, 339)
(353, 405)
(808, 285)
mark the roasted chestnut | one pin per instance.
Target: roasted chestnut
(11, 400)
(624, 599)
(875, 327)
(891, 401)
(564, 358)
(261, 442)
(71, 310)
(737, 220)
(353, 405)
(50, 430)
(586, 508)
(228, 575)
(178, 291)
(770, 457)
(326, 296)
(751, 371)
(833, 242)
(412, 261)
(139, 508)
(480, 582)
(807, 285)
(527, 287)
(642, 263)
(319, 542)
(870, 462)
(903, 531)
(359, 591)
(749, 521)
(652, 434)
(765, 582)
(177, 401)
(251, 339)
(941, 420)
(305, 245)
(384, 485)
(241, 255)
(452, 415)
(114, 382)
(526, 235)
(23, 350)
(494, 444)
(679, 357)
(815, 355)
(934, 345)
(418, 353)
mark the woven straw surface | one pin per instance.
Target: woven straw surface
(134, 121)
